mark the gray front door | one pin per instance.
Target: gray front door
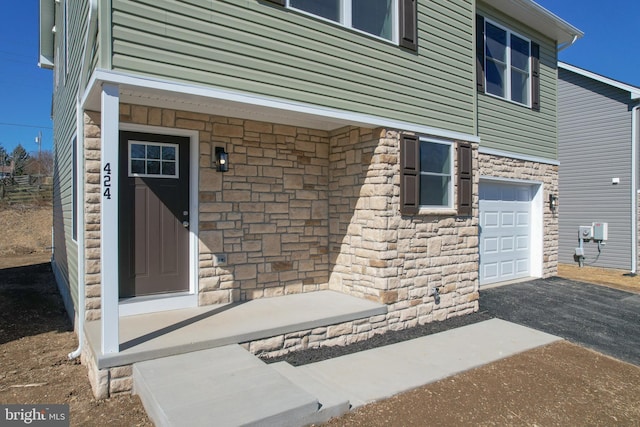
(154, 214)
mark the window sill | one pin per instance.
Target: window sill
(436, 211)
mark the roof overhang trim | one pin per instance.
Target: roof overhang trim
(538, 18)
(46, 40)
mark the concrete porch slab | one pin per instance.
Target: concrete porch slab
(151, 336)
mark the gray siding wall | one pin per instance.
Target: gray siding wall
(507, 126)
(251, 46)
(64, 112)
(594, 126)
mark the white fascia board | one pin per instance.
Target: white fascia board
(500, 153)
(633, 90)
(333, 118)
(538, 18)
(47, 16)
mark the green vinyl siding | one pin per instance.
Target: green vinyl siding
(510, 127)
(64, 112)
(271, 51)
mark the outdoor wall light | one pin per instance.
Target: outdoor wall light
(553, 202)
(222, 160)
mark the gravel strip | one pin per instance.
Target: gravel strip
(313, 355)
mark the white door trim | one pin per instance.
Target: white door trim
(150, 304)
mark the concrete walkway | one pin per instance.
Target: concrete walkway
(227, 386)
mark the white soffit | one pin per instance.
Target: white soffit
(144, 90)
(538, 18)
(47, 21)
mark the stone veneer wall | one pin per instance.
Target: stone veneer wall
(505, 167)
(381, 255)
(268, 214)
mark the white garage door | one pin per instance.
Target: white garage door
(505, 232)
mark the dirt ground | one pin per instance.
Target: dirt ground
(559, 384)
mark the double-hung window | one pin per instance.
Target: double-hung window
(507, 67)
(428, 174)
(392, 20)
(508, 64)
(376, 17)
(436, 167)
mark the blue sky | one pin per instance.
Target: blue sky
(611, 47)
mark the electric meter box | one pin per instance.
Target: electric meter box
(600, 231)
(585, 232)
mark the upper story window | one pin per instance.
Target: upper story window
(507, 69)
(376, 17)
(508, 64)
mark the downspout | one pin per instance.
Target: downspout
(568, 44)
(92, 21)
(634, 189)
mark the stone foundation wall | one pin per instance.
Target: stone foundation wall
(505, 167)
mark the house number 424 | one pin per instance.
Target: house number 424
(106, 181)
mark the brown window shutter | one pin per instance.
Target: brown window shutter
(480, 53)
(278, 2)
(535, 76)
(465, 179)
(409, 174)
(409, 24)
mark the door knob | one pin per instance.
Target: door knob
(185, 224)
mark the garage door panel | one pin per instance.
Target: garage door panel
(491, 219)
(522, 219)
(506, 269)
(522, 266)
(522, 243)
(505, 232)
(491, 246)
(507, 219)
(506, 244)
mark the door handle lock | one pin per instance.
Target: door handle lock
(185, 224)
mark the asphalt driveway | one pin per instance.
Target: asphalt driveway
(604, 319)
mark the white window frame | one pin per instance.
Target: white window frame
(159, 144)
(507, 81)
(345, 19)
(452, 175)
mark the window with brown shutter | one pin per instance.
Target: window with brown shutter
(480, 53)
(409, 174)
(409, 24)
(375, 17)
(507, 64)
(465, 179)
(427, 176)
(535, 76)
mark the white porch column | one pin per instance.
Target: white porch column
(109, 218)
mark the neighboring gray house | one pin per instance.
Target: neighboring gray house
(213, 152)
(598, 137)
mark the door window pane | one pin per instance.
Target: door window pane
(153, 159)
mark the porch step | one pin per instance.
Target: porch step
(333, 403)
(224, 386)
